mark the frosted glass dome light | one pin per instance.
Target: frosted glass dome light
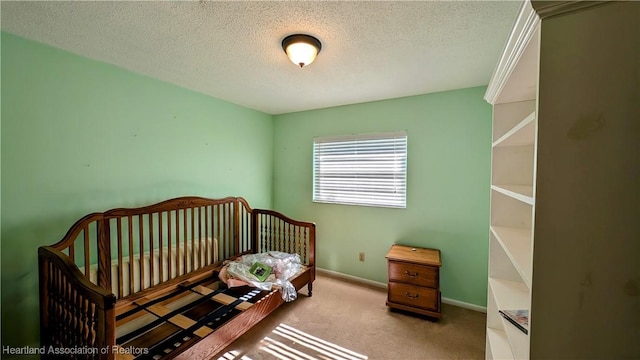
(301, 49)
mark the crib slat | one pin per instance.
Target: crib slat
(206, 234)
(281, 244)
(263, 233)
(304, 242)
(287, 236)
(160, 249)
(271, 235)
(292, 239)
(223, 223)
(193, 240)
(201, 251)
(220, 238)
(76, 314)
(87, 252)
(130, 226)
(222, 230)
(120, 271)
(283, 235)
(260, 232)
(177, 243)
(280, 235)
(204, 237)
(104, 254)
(298, 237)
(141, 251)
(227, 227)
(249, 229)
(236, 227)
(185, 253)
(242, 226)
(151, 252)
(169, 244)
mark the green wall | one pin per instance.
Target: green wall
(449, 143)
(81, 136)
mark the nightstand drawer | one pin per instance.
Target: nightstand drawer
(414, 296)
(415, 274)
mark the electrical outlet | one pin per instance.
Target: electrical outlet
(361, 256)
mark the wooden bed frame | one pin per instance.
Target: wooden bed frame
(92, 285)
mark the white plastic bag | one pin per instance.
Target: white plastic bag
(283, 265)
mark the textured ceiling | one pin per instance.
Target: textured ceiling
(231, 50)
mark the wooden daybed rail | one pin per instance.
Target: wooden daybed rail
(110, 264)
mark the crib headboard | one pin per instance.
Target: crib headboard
(150, 245)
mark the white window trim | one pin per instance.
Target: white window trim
(373, 167)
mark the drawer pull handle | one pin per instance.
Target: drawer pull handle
(411, 274)
(411, 296)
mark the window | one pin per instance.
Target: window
(367, 169)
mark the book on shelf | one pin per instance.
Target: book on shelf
(519, 318)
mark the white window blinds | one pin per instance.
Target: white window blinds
(368, 169)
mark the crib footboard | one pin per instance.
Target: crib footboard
(277, 232)
(77, 318)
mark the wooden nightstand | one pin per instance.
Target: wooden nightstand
(414, 280)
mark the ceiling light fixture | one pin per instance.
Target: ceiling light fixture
(301, 49)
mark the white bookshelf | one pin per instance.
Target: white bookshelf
(564, 192)
(514, 88)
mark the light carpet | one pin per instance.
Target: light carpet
(346, 320)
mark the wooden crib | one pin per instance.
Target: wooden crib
(142, 283)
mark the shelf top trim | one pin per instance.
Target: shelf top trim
(525, 26)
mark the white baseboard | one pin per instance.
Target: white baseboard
(381, 285)
(352, 278)
(462, 304)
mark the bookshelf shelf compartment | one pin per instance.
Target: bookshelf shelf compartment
(518, 341)
(509, 294)
(499, 344)
(522, 134)
(516, 243)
